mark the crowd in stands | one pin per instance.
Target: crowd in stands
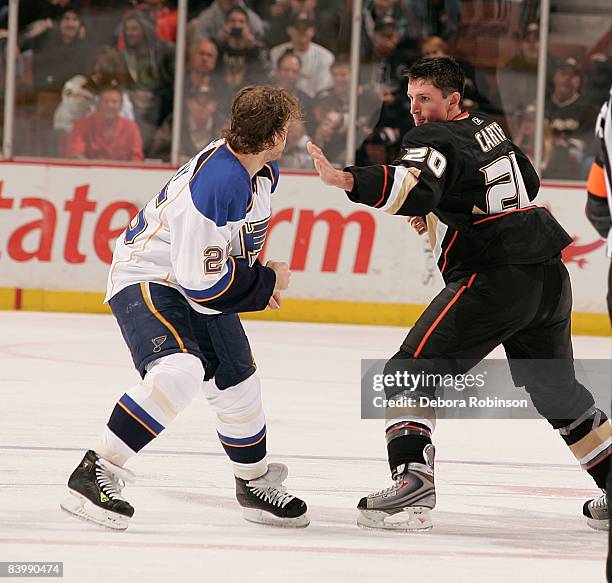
(95, 78)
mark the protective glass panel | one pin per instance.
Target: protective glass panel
(580, 72)
(95, 79)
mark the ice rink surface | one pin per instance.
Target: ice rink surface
(509, 492)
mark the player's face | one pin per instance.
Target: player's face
(279, 145)
(427, 103)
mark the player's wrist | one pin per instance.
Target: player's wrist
(347, 181)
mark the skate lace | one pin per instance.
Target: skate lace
(395, 486)
(599, 503)
(272, 494)
(109, 483)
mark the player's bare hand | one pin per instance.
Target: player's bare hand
(329, 174)
(419, 224)
(283, 274)
(275, 301)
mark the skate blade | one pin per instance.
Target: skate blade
(77, 505)
(598, 524)
(414, 519)
(262, 517)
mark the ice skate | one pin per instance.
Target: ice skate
(405, 505)
(596, 512)
(266, 501)
(95, 493)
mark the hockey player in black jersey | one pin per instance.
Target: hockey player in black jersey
(499, 255)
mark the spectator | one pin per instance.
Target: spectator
(570, 118)
(375, 11)
(517, 79)
(436, 17)
(203, 72)
(103, 18)
(476, 90)
(382, 143)
(296, 156)
(384, 61)
(39, 13)
(316, 60)
(524, 138)
(80, 93)
(164, 14)
(150, 66)
(598, 75)
(201, 125)
(330, 121)
(244, 60)
(57, 54)
(330, 19)
(329, 131)
(287, 75)
(105, 135)
(212, 21)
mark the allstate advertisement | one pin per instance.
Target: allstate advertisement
(58, 223)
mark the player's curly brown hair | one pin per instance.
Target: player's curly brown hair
(260, 113)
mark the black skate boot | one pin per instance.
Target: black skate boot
(406, 504)
(266, 501)
(596, 512)
(95, 492)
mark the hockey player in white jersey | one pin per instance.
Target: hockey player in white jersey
(182, 270)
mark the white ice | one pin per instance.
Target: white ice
(509, 492)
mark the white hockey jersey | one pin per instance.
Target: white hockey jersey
(202, 235)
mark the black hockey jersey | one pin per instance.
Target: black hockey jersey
(476, 189)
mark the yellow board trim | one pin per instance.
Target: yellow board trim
(144, 288)
(293, 310)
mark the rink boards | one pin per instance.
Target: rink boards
(58, 223)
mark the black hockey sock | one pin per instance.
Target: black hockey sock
(405, 442)
(589, 439)
(599, 472)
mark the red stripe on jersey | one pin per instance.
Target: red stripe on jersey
(447, 250)
(384, 188)
(527, 208)
(443, 313)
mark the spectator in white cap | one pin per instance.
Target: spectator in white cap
(316, 60)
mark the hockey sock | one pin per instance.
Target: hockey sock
(406, 439)
(589, 439)
(146, 409)
(241, 425)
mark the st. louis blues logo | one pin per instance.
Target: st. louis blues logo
(252, 239)
(157, 343)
